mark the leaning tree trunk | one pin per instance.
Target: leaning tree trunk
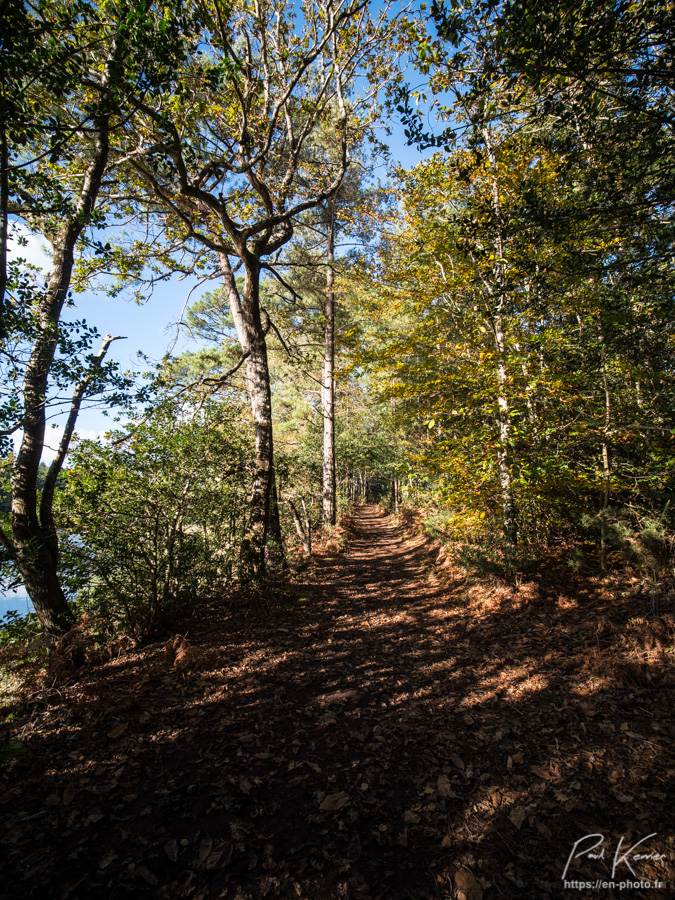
(328, 384)
(47, 522)
(35, 545)
(262, 544)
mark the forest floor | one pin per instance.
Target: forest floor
(375, 726)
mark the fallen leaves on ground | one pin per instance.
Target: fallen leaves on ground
(390, 737)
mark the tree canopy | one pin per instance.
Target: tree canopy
(487, 334)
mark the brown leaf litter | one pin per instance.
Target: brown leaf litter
(365, 732)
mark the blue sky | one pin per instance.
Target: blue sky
(152, 328)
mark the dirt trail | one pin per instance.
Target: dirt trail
(368, 733)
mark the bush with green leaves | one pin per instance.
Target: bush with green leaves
(18, 629)
(154, 515)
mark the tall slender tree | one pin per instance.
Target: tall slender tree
(328, 504)
(54, 161)
(237, 166)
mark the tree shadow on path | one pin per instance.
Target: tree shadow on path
(372, 732)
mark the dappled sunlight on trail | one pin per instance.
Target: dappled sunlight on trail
(368, 732)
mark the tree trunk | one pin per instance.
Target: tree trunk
(47, 522)
(503, 451)
(606, 458)
(503, 419)
(328, 384)
(34, 537)
(4, 224)
(262, 544)
(303, 528)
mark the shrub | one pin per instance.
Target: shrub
(154, 515)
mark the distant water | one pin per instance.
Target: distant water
(17, 600)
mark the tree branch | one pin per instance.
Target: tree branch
(47, 500)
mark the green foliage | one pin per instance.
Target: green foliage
(587, 360)
(16, 629)
(75, 341)
(155, 515)
(539, 355)
(640, 540)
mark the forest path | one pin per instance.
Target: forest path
(372, 732)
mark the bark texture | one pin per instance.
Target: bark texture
(606, 455)
(503, 420)
(4, 224)
(328, 382)
(33, 532)
(262, 545)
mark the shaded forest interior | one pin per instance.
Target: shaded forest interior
(376, 726)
